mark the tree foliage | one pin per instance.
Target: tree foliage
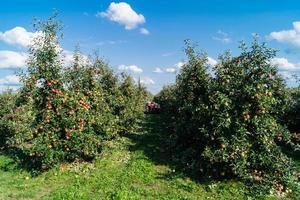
(64, 112)
(227, 124)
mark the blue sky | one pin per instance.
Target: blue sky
(146, 37)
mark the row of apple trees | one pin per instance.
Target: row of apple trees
(227, 121)
(64, 113)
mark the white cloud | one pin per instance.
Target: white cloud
(17, 36)
(8, 87)
(211, 61)
(287, 75)
(131, 68)
(144, 31)
(179, 65)
(158, 70)
(171, 70)
(123, 14)
(12, 59)
(168, 54)
(285, 65)
(147, 81)
(68, 57)
(176, 67)
(286, 68)
(222, 37)
(21, 37)
(289, 36)
(111, 42)
(10, 80)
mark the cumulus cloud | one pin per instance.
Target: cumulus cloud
(21, 37)
(167, 54)
(4, 88)
(211, 61)
(111, 42)
(10, 80)
(16, 60)
(176, 67)
(284, 65)
(144, 31)
(12, 59)
(179, 65)
(147, 81)
(289, 36)
(158, 70)
(286, 68)
(123, 14)
(288, 75)
(222, 37)
(17, 36)
(132, 68)
(171, 70)
(68, 58)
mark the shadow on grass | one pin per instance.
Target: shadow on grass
(8, 164)
(156, 144)
(11, 161)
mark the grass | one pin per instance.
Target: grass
(135, 166)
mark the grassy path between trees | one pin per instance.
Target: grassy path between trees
(136, 166)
